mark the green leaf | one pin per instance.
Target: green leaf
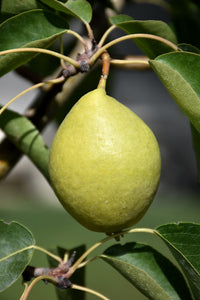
(14, 255)
(77, 278)
(80, 9)
(149, 271)
(183, 239)
(10, 8)
(116, 20)
(179, 72)
(195, 133)
(150, 47)
(24, 135)
(34, 28)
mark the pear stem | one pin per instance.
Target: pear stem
(105, 69)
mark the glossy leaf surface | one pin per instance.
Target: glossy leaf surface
(14, 255)
(80, 9)
(34, 28)
(10, 8)
(179, 72)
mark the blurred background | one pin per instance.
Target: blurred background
(25, 195)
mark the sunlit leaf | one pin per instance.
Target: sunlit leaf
(195, 133)
(179, 72)
(183, 239)
(34, 28)
(14, 255)
(80, 9)
(149, 271)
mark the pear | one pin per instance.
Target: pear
(104, 164)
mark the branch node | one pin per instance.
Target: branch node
(63, 282)
(84, 66)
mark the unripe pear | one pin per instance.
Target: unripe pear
(104, 164)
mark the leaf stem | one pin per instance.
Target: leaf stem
(86, 262)
(115, 235)
(135, 63)
(105, 35)
(80, 38)
(48, 253)
(129, 61)
(38, 85)
(131, 36)
(25, 290)
(85, 289)
(90, 32)
(36, 248)
(53, 280)
(62, 63)
(43, 277)
(45, 51)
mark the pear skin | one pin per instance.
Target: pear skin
(104, 164)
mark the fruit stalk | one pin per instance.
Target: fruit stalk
(105, 69)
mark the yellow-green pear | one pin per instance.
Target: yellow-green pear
(104, 164)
